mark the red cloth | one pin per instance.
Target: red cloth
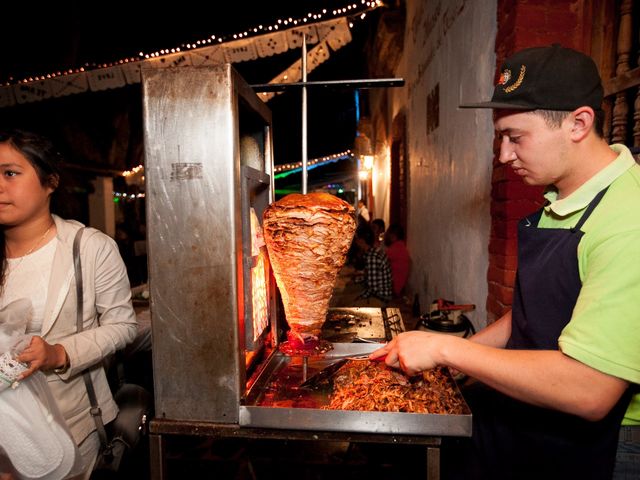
(399, 261)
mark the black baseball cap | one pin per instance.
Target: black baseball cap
(546, 78)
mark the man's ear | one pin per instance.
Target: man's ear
(582, 120)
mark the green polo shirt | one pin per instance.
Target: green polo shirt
(604, 331)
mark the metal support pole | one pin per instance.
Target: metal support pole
(433, 463)
(157, 457)
(304, 114)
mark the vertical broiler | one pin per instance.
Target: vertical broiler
(217, 318)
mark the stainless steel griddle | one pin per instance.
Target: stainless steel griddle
(302, 409)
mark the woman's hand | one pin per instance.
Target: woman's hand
(413, 351)
(40, 355)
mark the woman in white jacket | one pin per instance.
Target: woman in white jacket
(36, 262)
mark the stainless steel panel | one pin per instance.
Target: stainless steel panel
(352, 421)
(192, 129)
(254, 415)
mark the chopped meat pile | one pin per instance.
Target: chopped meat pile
(373, 386)
(307, 237)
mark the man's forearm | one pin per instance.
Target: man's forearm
(546, 378)
(496, 334)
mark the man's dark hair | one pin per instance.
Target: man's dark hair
(365, 233)
(554, 119)
(380, 223)
(397, 230)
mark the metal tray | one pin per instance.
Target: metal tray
(288, 408)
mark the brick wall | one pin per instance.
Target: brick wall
(523, 24)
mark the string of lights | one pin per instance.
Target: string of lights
(117, 196)
(354, 10)
(133, 171)
(283, 171)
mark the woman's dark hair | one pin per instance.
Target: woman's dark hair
(44, 158)
(40, 152)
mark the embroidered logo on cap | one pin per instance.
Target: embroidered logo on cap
(504, 78)
(518, 81)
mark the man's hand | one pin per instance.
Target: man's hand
(40, 355)
(414, 351)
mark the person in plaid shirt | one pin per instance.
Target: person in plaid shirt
(377, 273)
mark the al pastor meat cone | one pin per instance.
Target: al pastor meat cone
(307, 237)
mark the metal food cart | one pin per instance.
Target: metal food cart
(216, 320)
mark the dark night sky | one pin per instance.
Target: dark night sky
(52, 38)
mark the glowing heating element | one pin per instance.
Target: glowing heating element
(259, 295)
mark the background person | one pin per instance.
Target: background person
(377, 282)
(398, 255)
(558, 366)
(36, 262)
(362, 213)
(378, 226)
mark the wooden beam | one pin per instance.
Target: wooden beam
(625, 81)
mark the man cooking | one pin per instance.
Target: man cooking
(562, 366)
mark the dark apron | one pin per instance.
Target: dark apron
(517, 440)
